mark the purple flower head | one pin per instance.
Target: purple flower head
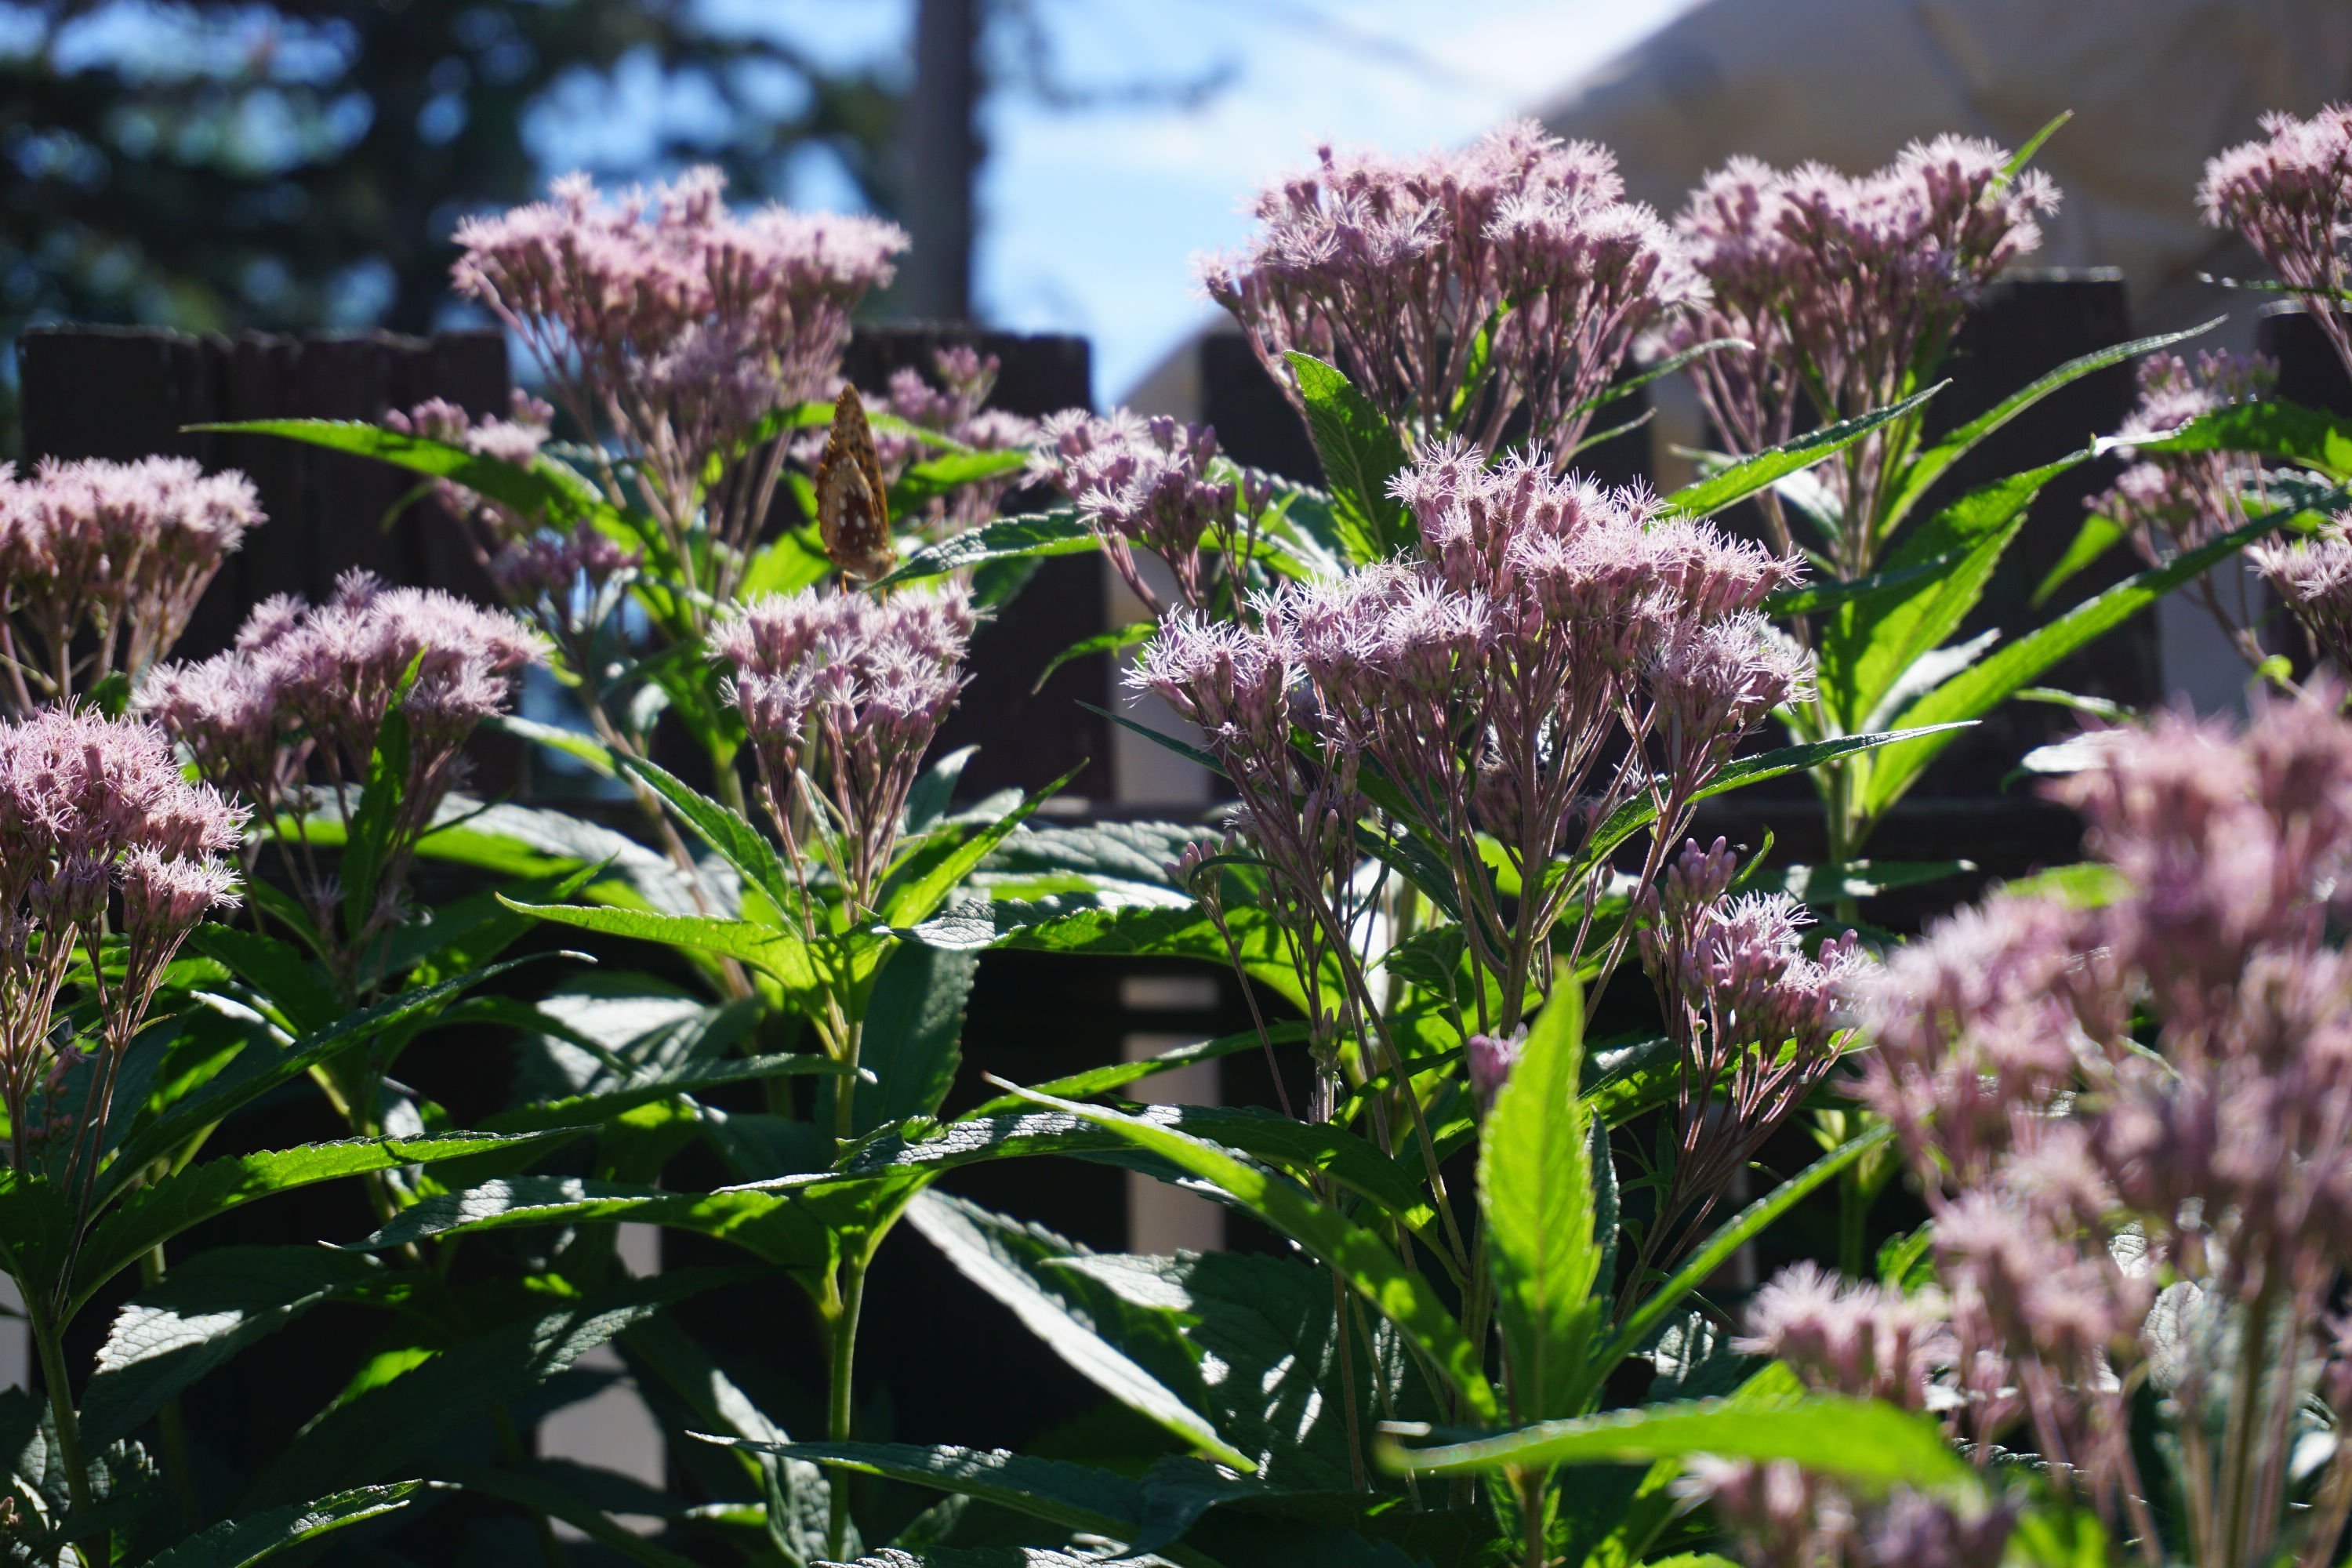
(1847, 1337)
(1232, 680)
(1395, 267)
(676, 325)
(2313, 577)
(1154, 483)
(1844, 286)
(89, 805)
(2290, 195)
(114, 555)
(846, 692)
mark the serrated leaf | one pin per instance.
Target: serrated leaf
(1359, 452)
(206, 1309)
(1864, 1443)
(921, 881)
(543, 487)
(156, 1212)
(1867, 644)
(385, 1427)
(658, 1082)
(1937, 459)
(1029, 535)
(1012, 1263)
(735, 840)
(1743, 478)
(913, 1034)
(2274, 428)
(1362, 1258)
(1984, 685)
(773, 1226)
(2097, 535)
(241, 1542)
(1536, 1191)
(252, 1075)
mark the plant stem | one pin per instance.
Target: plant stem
(1853, 1217)
(2238, 1440)
(841, 1327)
(49, 1335)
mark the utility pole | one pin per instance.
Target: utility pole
(940, 161)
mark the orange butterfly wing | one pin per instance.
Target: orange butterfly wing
(853, 513)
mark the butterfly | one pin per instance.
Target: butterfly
(852, 514)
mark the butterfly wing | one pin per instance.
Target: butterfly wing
(853, 512)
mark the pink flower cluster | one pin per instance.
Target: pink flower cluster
(1458, 290)
(565, 580)
(1154, 483)
(841, 695)
(93, 811)
(1756, 1022)
(1849, 289)
(101, 564)
(306, 692)
(2290, 195)
(953, 404)
(1556, 651)
(2070, 1152)
(674, 324)
(2171, 503)
(2313, 577)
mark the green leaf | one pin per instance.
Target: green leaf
(1864, 1443)
(255, 1073)
(1980, 688)
(1729, 1238)
(2085, 885)
(1636, 815)
(1116, 640)
(301, 992)
(577, 745)
(1361, 453)
(951, 471)
(659, 1081)
(240, 1542)
(207, 1308)
(1147, 1514)
(2276, 428)
(1031, 534)
(1749, 474)
(458, 1389)
(776, 1226)
(369, 843)
(1536, 1191)
(543, 487)
(1118, 1074)
(913, 1029)
(737, 842)
(1360, 1259)
(1012, 1263)
(2024, 155)
(782, 955)
(1868, 645)
(2096, 536)
(541, 1487)
(154, 1215)
(920, 882)
(1936, 460)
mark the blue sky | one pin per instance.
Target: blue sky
(1090, 218)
